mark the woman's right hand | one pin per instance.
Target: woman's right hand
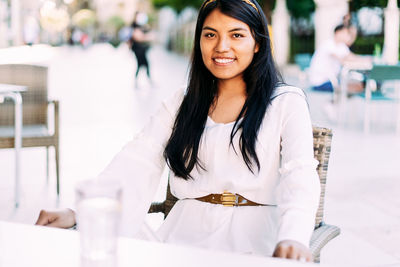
(64, 218)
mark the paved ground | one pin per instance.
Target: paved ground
(101, 110)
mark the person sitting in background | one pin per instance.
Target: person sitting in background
(330, 57)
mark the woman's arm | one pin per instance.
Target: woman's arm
(299, 188)
(137, 167)
(139, 36)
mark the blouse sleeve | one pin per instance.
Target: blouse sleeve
(299, 187)
(139, 166)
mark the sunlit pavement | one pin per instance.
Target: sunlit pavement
(101, 110)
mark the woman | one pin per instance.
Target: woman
(139, 43)
(238, 131)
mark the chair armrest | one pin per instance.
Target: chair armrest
(56, 109)
(56, 104)
(157, 207)
(321, 236)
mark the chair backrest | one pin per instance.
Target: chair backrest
(322, 152)
(322, 149)
(385, 72)
(34, 99)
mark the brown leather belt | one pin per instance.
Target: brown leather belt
(228, 200)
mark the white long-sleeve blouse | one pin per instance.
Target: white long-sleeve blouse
(287, 181)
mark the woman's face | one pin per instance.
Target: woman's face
(227, 45)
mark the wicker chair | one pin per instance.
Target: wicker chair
(323, 233)
(35, 130)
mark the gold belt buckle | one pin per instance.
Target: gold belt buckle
(228, 199)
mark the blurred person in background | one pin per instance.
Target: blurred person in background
(140, 44)
(347, 20)
(328, 61)
(349, 23)
(329, 58)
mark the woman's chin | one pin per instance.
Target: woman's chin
(226, 76)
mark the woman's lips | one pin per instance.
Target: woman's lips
(223, 61)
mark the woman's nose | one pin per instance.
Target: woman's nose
(223, 45)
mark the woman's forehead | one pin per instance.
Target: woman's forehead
(218, 20)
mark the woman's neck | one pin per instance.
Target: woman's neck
(230, 100)
(232, 87)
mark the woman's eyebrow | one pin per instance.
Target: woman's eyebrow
(232, 30)
(209, 28)
(238, 29)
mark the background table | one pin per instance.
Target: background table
(14, 93)
(343, 82)
(35, 246)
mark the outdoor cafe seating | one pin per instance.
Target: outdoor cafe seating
(38, 129)
(381, 74)
(381, 86)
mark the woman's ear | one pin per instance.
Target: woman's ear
(256, 48)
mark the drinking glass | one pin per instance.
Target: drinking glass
(98, 217)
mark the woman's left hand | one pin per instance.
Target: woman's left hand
(290, 249)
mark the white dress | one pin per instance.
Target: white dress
(287, 181)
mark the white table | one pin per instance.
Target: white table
(344, 79)
(14, 93)
(36, 246)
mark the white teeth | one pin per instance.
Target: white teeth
(223, 60)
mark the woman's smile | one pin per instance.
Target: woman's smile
(223, 61)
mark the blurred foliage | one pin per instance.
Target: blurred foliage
(113, 25)
(301, 44)
(297, 8)
(116, 22)
(358, 4)
(84, 18)
(365, 45)
(54, 20)
(116, 30)
(178, 5)
(300, 8)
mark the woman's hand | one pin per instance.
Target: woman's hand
(61, 218)
(290, 249)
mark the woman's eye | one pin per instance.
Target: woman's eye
(209, 35)
(237, 35)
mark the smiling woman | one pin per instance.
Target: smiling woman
(238, 143)
(227, 46)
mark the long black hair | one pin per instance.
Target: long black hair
(261, 78)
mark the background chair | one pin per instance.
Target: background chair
(381, 73)
(323, 233)
(303, 60)
(323, 100)
(36, 131)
